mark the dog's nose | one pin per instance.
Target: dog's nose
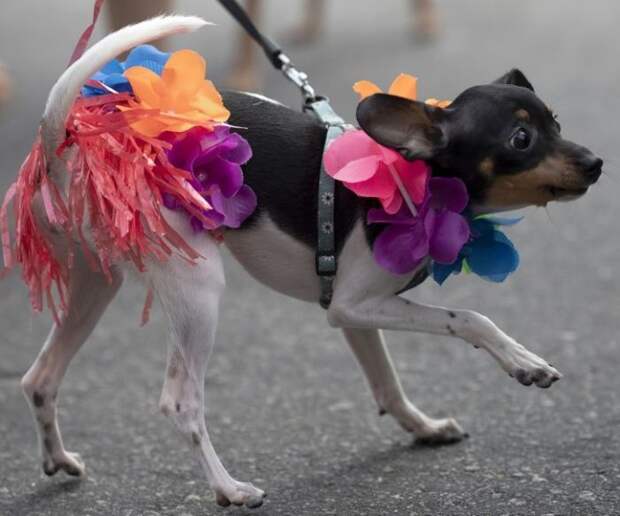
(592, 167)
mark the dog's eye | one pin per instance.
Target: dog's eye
(521, 139)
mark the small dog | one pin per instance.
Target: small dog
(499, 138)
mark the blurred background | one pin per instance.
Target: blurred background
(287, 407)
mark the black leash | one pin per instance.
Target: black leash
(273, 52)
(326, 262)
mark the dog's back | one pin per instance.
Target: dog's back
(284, 169)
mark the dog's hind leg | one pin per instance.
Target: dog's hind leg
(89, 295)
(370, 350)
(191, 295)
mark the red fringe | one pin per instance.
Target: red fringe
(116, 186)
(82, 43)
(41, 270)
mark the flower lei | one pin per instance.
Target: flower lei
(186, 115)
(426, 217)
(146, 133)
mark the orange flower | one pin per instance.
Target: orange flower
(438, 103)
(404, 85)
(182, 96)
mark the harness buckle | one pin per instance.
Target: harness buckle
(326, 264)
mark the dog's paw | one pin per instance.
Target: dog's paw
(528, 368)
(240, 493)
(440, 431)
(70, 463)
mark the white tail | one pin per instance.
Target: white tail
(67, 87)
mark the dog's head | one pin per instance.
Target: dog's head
(499, 138)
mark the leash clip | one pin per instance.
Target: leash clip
(297, 77)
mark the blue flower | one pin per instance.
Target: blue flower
(490, 254)
(112, 73)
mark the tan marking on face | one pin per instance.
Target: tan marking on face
(533, 187)
(522, 114)
(487, 166)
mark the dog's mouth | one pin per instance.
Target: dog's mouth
(565, 194)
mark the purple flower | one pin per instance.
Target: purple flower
(438, 231)
(214, 158)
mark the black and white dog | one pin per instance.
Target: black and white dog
(500, 139)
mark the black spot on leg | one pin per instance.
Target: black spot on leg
(196, 438)
(47, 428)
(221, 500)
(178, 407)
(47, 443)
(524, 377)
(450, 330)
(50, 469)
(70, 469)
(452, 315)
(38, 399)
(382, 412)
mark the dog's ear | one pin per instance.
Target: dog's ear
(515, 77)
(408, 126)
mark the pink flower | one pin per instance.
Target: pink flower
(370, 170)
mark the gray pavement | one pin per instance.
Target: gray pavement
(287, 406)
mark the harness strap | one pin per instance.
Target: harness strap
(326, 261)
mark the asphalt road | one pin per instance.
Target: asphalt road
(287, 406)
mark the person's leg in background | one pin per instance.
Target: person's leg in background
(244, 74)
(5, 84)
(126, 12)
(424, 23)
(311, 24)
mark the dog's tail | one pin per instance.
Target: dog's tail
(67, 87)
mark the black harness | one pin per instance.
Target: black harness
(319, 107)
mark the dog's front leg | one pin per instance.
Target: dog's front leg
(190, 295)
(395, 313)
(370, 350)
(364, 297)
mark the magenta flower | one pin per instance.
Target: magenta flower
(438, 231)
(214, 158)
